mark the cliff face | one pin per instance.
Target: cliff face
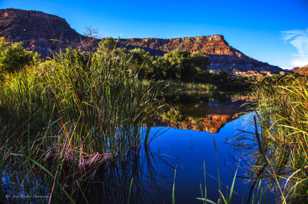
(48, 33)
(38, 31)
(207, 45)
(222, 56)
(301, 70)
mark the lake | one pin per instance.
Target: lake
(181, 162)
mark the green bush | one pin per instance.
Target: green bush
(13, 57)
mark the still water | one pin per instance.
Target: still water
(190, 161)
(183, 163)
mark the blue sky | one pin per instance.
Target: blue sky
(274, 31)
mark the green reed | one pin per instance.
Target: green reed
(282, 106)
(64, 117)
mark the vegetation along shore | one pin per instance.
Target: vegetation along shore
(79, 116)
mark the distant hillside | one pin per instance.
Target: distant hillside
(38, 31)
(222, 55)
(47, 34)
(301, 70)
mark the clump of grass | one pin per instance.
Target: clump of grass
(67, 115)
(283, 109)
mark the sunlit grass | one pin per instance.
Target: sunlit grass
(66, 116)
(283, 110)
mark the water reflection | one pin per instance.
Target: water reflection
(205, 115)
(199, 158)
(193, 154)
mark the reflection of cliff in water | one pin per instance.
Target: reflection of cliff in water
(205, 114)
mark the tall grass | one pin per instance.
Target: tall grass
(283, 109)
(69, 114)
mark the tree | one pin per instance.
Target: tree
(13, 57)
(185, 66)
(107, 44)
(142, 61)
(176, 60)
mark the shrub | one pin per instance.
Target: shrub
(13, 57)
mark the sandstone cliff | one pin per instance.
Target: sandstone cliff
(47, 34)
(38, 31)
(301, 70)
(222, 55)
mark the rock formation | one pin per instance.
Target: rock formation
(222, 55)
(47, 34)
(38, 31)
(301, 70)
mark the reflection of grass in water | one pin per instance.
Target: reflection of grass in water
(2, 194)
(173, 188)
(176, 88)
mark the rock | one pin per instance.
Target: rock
(47, 34)
(301, 70)
(38, 31)
(222, 56)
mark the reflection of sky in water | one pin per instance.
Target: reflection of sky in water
(186, 151)
(23, 188)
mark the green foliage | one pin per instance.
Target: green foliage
(173, 114)
(223, 199)
(67, 113)
(107, 44)
(142, 62)
(184, 66)
(283, 109)
(62, 116)
(13, 57)
(176, 57)
(95, 92)
(175, 65)
(65, 116)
